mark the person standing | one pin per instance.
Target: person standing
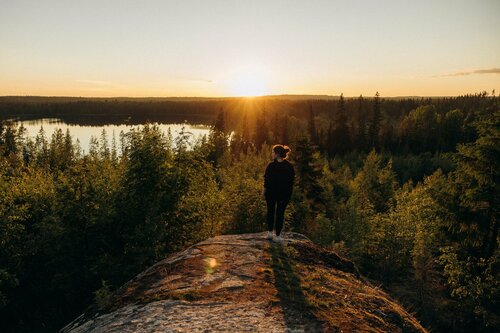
(278, 186)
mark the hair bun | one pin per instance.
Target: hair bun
(281, 150)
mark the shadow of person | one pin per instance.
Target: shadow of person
(297, 311)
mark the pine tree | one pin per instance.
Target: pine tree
(361, 126)
(218, 139)
(330, 141)
(375, 122)
(374, 185)
(309, 168)
(69, 150)
(470, 262)
(477, 178)
(261, 130)
(245, 135)
(146, 193)
(104, 145)
(284, 130)
(340, 133)
(10, 142)
(114, 149)
(311, 125)
(276, 126)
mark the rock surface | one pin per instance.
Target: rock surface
(246, 283)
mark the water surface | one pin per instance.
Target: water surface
(84, 133)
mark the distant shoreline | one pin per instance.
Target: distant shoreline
(65, 99)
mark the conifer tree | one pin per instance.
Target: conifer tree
(218, 139)
(284, 130)
(261, 130)
(340, 134)
(361, 125)
(477, 178)
(245, 133)
(309, 168)
(375, 122)
(311, 125)
(330, 140)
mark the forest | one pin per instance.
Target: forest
(406, 188)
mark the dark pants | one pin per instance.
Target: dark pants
(275, 205)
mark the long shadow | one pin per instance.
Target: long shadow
(296, 309)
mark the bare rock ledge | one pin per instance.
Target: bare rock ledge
(246, 283)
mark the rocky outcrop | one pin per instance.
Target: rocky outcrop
(246, 283)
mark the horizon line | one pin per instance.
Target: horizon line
(233, 97)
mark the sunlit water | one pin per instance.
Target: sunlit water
(85, 133)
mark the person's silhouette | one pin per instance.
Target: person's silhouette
(278, 187)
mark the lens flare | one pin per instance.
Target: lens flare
(210, 264)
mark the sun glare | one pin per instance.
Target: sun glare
(249, 86)
(249, 82)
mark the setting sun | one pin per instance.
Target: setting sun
(249, 85)
(249, 81)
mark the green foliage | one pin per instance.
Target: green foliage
(72, 225)
(145, 192)
(374, 126)
(405, 238)
(374, 186)
(338, 137)
(477, 179)
(102, 296)
(242, 183)
(261, 133)
(66, 227)
(425, 213)
(473, 281)
(200, 210)
(218, 139)
(419, 129)
(471, 200)
(309, 169)
(323, 231)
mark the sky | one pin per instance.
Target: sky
(214, 48)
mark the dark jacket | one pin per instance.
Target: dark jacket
(278, 179)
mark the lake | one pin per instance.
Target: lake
(85, 132)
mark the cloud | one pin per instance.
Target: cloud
(477, 71)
